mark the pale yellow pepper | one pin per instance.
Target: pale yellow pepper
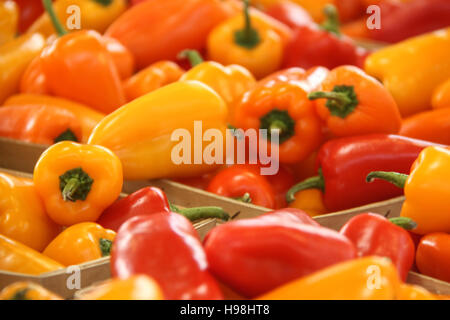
(9, 17)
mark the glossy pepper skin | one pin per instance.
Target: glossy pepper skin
(27, 290)
(77, 182)
(166, 247)
(94, 15)
(151, 78)
(188, 26)
(15, 56)
(23, 216)
(42, 124)
(425, 190)
(374, 235)
(136, 133)
(87, 117)
(253, 40)
(433, 256)
(345, 163)
(17, 257)
(29, 11)
(310, 201)
(289, 13)
(395, 63)
(343, 281)
(441, 96)
(433, 125)
(351, 102)
(9, 17)
(81, 242)
(271, 250)
(138, 287)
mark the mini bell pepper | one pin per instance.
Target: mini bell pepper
(431, 125)
(353, 103)
(229, 82)
(282, 106)
(27, 290)
(345, 163)
(142, 141)
(33, 78)
(433, 256)
(414, 292)
(9, 17)
(418, 60)
(87, 117)
(150, 200)
(425, 190)
(151, 78)
(77, 182)
(441, 96)
(310, 201)
(271, 250)
(348, 280)
(139, 287)
(289, 13)
(175, 25)
(253, 40)
(15, 56)
(81, 242)
(29, 11)
(17, 257)
(374, 235)
(166, 247)
(93, 15)
(23, 216)
(43, 124)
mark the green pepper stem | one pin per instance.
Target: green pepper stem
(104, 2)
(245, 198)
(54, 18)
(75, 184)
(404, 222)
(70, 188)
(316, 182)
(198, 213)
(340, 98)
(397, 179)
(193, 56)
(331, 23)
(67, 135)
(341, 101)
(278, 120)
(105, 246)
(247, 37)
(20, 294)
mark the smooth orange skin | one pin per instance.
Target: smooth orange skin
(98, 162)
(151, 78)
(310, 201)
(433, 256)
(37, 123)
(33, 79)
(122, 57)
(34, 291)
(137, 287)
(427, 193)
(78, 67)
(376, 111)
(17, 257)
(431, 125)
(256, 103)
(441, 96)
(9, 17)
(413, 292)
(78, 243)
(22, 213)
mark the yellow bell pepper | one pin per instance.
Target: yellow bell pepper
(27, 290)
(139, 133)
(310, 201)
(15, 56)
(412, 69)
(9, 17)
(368, 278)
(22, 213)
(88, 117)
(93, 14)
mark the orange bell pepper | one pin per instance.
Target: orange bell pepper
(17, 257)
(23, 216)
(253, 40)
(310, 201)
(9, 18)
(138, 287)
(151, 78)
(414, 292)
(27, 290)
(441, 96)
(353, 103)
(80, 243)
(77, 182)
(431, 125)
(41, 124)
(87, 117)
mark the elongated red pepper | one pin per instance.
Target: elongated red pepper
(254, 256)
(290, 13)
(166, 247)
(373, 234)
(344, 164)
(150, 200)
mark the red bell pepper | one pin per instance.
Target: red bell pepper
(29, 11)
(150, 200)
(166, 247)
(344, 164)
(254, 256)
(433, 255)
(290, 13)
(373, 234)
